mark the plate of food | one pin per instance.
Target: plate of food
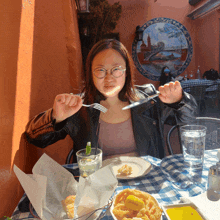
(128, 167)
(132, 204)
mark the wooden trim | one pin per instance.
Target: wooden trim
(204, 9)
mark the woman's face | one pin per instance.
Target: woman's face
(109, 60)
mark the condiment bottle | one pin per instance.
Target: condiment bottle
(198, 73)
(214, 176)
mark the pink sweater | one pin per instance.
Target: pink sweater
(117, 139)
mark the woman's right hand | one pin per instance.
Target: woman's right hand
(66, 105)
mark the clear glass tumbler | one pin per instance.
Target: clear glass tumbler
(193, 145)
(88, 164)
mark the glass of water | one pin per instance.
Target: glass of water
(88, 164)
(193, 145)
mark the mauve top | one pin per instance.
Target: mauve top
(117, 139)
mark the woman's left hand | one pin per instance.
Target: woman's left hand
(170, 92)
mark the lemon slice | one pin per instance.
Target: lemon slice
(134, 203)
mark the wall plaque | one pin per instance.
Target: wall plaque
(165, 42)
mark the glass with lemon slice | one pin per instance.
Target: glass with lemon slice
(89, 160)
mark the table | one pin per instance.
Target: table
(197, 82)
(155, 183)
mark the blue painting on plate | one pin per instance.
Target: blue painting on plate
(165, 42)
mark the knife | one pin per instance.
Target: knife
(141, 101)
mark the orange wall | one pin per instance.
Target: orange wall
(204, 31)
(40, 57)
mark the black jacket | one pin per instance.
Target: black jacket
(147, 120)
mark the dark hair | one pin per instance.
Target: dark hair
(90, 92)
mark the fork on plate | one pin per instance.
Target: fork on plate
(97, 106)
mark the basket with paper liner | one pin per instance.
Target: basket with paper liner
(55, 194)
(132, 204)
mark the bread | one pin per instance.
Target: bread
(125, 170)
(68, 205)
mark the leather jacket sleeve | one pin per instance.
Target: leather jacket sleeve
(182, 112)
(42, 131)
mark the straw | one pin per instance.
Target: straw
(97, 134)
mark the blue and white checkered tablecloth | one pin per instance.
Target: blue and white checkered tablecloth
(197, 82)
(156, 181)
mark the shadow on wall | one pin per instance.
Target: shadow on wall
(26, 156)
(10, 17)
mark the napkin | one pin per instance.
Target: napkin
(51, 183)
(210, 208)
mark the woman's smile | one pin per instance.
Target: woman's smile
(112, 90)
(109, 86)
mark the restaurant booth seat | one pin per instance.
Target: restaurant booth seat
(212, 134)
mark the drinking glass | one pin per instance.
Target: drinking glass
(193, 145)
(191, 74)
(88, 164)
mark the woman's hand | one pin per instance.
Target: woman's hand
(170, 92)
(66, 105)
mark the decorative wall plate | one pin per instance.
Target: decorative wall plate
(165, 42)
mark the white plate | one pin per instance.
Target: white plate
(112, 207)
(140, 167)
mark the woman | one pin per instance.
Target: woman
(109, 81)
(165, 76)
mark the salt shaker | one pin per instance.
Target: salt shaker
(214, 176)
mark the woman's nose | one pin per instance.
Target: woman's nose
(109, 75)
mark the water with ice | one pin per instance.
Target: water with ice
(193, 143)
(89, 165)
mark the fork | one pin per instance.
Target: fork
(134, 104)
(94, 105)
(150, 96)
(97, 106)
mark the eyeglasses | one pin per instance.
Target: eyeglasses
(116, 71)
